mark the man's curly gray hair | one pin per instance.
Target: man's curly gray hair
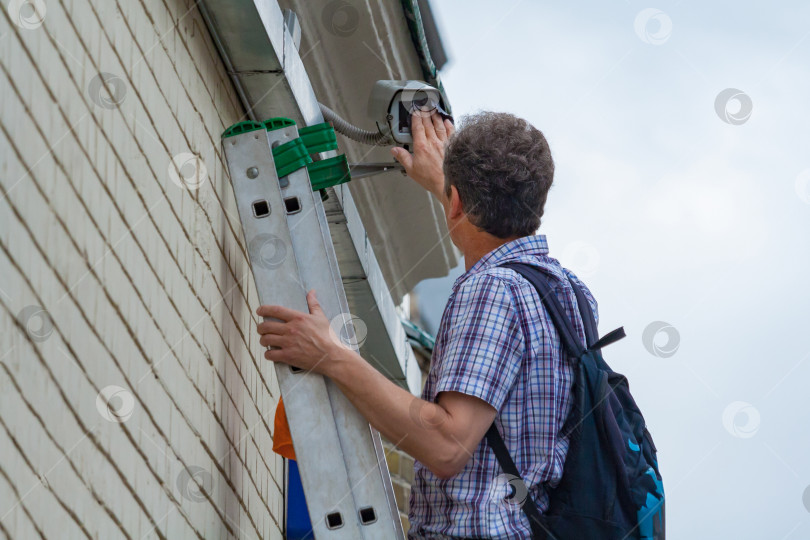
(501, 166)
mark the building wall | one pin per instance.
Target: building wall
(400, 465)
(134, 401)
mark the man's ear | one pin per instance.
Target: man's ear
(455, 211)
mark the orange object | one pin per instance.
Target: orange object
(282, 441)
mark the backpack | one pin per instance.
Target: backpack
(611, 488)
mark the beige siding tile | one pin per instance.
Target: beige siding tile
(146, 283)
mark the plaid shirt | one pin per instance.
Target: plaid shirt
(496, 342)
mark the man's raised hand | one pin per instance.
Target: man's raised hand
(430, 134)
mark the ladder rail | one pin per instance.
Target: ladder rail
(341, 459)
(272, 251)
(312, 245)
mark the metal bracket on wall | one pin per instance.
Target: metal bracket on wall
(361, 170)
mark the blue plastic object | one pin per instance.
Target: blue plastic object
(299, 527)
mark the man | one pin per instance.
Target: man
(497, 355)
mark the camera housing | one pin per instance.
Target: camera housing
(392, 103)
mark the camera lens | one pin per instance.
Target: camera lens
(423, 98)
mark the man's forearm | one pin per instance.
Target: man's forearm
(441, 435)
(422, 429)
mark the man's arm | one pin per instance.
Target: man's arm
(440, 435)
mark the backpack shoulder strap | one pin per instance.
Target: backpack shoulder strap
(568, 334)
(589, 321)
(585, 311)
(528, 504)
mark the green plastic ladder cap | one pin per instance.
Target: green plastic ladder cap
(241, 127)
(272, 124)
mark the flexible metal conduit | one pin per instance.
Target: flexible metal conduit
(351, 131)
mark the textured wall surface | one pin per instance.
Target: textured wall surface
(133, 398)
(400, 465)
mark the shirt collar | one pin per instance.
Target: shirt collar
(521, 247)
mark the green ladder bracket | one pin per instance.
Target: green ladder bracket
(329, 172)
(290, 156)
(326, 172)
(319, 138)
(294, 154)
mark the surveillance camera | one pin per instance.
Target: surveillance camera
(392, 103)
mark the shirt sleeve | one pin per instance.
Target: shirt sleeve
(482, 353)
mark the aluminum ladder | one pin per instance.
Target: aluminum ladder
(340, 456)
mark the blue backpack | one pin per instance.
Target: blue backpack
(611, 488)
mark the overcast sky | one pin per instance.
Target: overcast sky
(679, 206)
